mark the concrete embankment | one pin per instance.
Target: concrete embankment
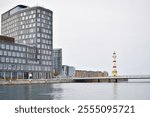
(34, 81)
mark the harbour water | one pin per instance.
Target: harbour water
(131, 90)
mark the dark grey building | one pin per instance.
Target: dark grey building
(57, 61)
(32, 29)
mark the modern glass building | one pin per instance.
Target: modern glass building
(31, 53)
(57, 61)
(68, 71)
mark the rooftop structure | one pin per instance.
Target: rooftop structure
(6, 39)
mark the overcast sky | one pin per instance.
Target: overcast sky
(89, 31)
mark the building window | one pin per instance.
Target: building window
(7, 59)
(31, 41)
(27, 26)
(2, 59)
(23, 61)
(5, 53)
(50, 14)
(13, 54)
(21, 14)
(20, 48)
(16, 60)
(30, 16)
(24, 13)
(9, 53)
(30, 35)
(38, 56)
(38, 35)
(33, 35)
(38, 20)
(18, 67)
(33, 15)
(24, 41)
(30, 25)
(16, 48)
(31, 20)
(21, 54)
(11, 47)
(23, 49)
(3, 46)
(33, 24)
(11, 60)
(32, 12)
(19, 61)
(21, 67)
(7, 47)
(17, 54)
(42, 16)
(38, 40)
(44, 12)
(23, 18)
(38, 11)
(38, 24)
(27, 17)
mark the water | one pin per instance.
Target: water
(77, 91)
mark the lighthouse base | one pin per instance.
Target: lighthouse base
(114, 74)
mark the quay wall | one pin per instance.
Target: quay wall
(33, 81)
(55, 80)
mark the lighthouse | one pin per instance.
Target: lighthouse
(114, 66)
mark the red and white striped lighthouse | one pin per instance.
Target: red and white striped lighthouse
(114, 66)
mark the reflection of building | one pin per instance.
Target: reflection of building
(68, 71)
(57, 61)
(31, 27)
(84, 73)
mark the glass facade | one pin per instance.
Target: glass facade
(57, 61)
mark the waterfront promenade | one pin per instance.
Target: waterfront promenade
(75, 79)
(34, 81)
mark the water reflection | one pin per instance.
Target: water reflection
(76, 91)
(115, 91)
(30, 92)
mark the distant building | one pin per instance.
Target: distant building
(105, 73)
(57, 62)
(84, 73)
(31, 52)
(68, 71)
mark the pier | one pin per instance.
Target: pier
(111, 79)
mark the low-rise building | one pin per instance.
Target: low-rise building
(84, 73)
(20, 61)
